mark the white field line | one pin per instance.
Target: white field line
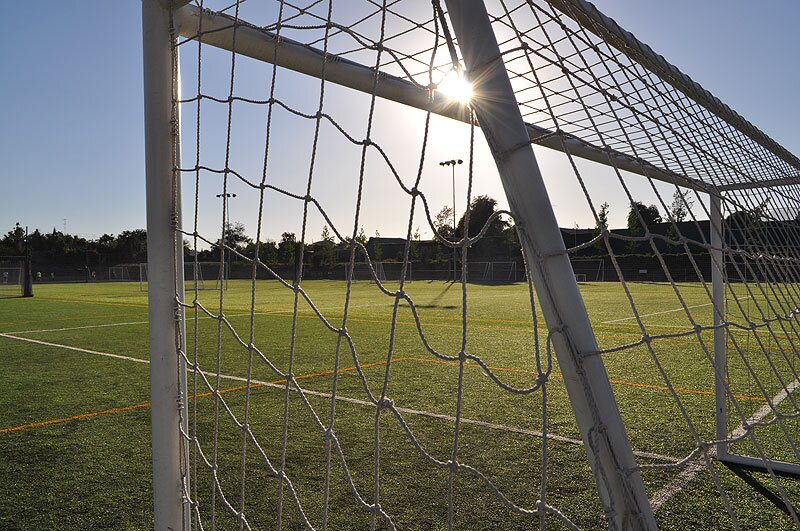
(134, 323)
(357, 401)
(664, 312)
(696, 466)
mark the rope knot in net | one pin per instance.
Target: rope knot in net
(384, 403)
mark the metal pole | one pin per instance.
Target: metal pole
(718, 293)
(225, 273)
(453, 163)
(165, 268)
(618, 482)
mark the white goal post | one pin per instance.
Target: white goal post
(493, 271)
(12, 276)
(588, 269)
(551, 73)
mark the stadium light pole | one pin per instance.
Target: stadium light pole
(227, 197)
(452, 163)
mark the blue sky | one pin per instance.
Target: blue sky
(71, 134)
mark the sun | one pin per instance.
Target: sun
(455, 87)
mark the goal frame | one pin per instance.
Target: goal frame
(489, 270)
(609, 452)
(618, 481)
(21, 278)
(547, 262)
(600, 273)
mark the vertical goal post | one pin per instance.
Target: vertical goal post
(666, 129)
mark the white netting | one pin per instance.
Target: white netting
(361, 407)
(12, 276)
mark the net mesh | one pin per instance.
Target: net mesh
(12, 276)
(353, 408)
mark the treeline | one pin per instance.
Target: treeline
(55, 247)
(498, 242)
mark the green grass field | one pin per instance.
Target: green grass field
(74, 422)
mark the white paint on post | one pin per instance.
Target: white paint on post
(720, 354)
(619, 484)
(165, 268)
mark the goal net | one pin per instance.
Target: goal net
(495, 271)
(311, 404)
(374, 272)
(12, 276)
(588, 270)
(196, 275)
(125, 272)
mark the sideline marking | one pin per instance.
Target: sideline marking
(663, 495)
(424, 360)
(281, 384)
(681, 309)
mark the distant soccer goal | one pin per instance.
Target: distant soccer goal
(380, 271)
(494, 271)
(588, 270)
(308, 404)
(197, 275)
(12, 276)
(124, 273)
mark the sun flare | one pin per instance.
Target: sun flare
(456, 87)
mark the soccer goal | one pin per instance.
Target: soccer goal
(307, 404)
(379, 271)
(197, 275)
(12, 276)
(493, 271)
(588, 270)
(125, 273)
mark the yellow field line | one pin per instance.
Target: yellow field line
(679, 390)
(199, 395)
(74, 417)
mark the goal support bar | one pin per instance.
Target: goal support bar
(607, 446)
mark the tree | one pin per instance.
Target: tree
(443, 222)
(132, 244)
(481, 209)
(361, 237)
(602, 224)
(649, 215)
(269, 252)
(602, 218)
(414, 250)
(14, 241)
(680, 206)
(287, 248)
(377, 250)
(235, 237)
(325, 252)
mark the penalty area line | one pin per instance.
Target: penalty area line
(321, 394)
(672, 488)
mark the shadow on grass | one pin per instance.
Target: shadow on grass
(746, 474)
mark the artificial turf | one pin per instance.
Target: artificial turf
(74, 425)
